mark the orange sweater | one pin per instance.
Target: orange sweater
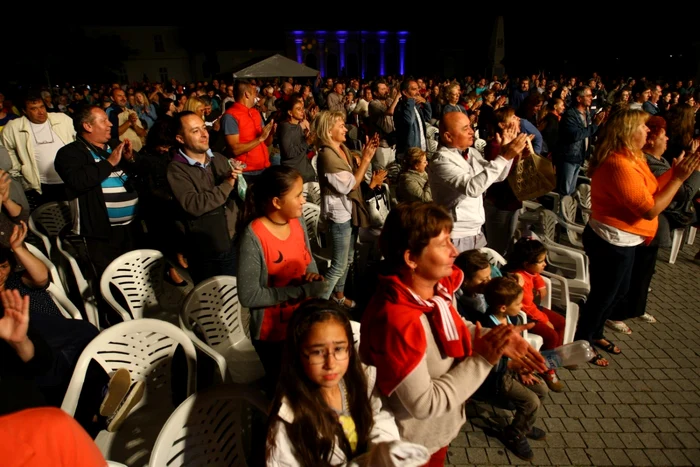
(622, 190)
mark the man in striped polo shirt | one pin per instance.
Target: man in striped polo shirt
(96, 171)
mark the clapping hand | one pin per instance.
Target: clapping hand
(492, 344)
(312, 277)
(378, 177)
(15, 322)
(19, 233)
(371, 147)
(5, 182)
(515, 147)
(684, 166)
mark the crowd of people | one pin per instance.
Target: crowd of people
(214, 175)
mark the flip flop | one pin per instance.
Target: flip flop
(618, 326)
(609, 348)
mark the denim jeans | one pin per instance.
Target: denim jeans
(343, 237)
(567, 176)
(610, 272)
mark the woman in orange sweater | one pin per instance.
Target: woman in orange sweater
(626, 201)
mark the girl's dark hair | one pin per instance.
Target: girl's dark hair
(164, 105)
(525, 251)
(471, 262)
(316, 429)
(274, 182)
(6, 254)
(501, 291)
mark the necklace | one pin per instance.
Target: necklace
(275, 222)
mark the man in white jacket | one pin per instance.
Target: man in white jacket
(458, 179)
(32, 142)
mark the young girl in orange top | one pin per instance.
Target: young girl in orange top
(527, 261)
(276, 271)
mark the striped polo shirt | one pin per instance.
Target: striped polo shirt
(121, 203)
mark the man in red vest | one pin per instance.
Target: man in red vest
(246, 138)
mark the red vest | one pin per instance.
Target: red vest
(249, 128)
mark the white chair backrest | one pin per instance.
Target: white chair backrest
(314, 163)
(53, 272)
(138, 275)
(312, 213)
(47, 220)
(583, 192)
(206, 429)
(569, 206)
(548, 221)
(145, 347)
(214, 307)
(84, 288)
(312, 192)
(495, 259)
(65, 306)
(356, 333)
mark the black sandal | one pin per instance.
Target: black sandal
(596, 360)
(610, 348)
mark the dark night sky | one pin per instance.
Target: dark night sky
(593, 41)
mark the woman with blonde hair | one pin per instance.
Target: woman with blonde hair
(626, 200)
(340, 177)
(196, 105)
(144, 109)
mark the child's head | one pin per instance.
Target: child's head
(504, 295)
(476, 268)
(528, 255)
(319, 353)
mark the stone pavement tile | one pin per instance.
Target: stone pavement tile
(580, 375)
(649, 440)
(642, 411)
(623, 386)
(656, 386)
(669, 440)
(692, 455)
(591, 411)
(591, 425)
(477, 439)
(573, 385)
(591, 398)
(609, 397)
(598, 456)
(676, 410)
(660, 411)
(558, 456)
(593, 440)
(676, 457)
(592, 386)
(554, 425)
(664, 425)
(498, 456)
(639, 385)
(646, 425)
(628, 425)
(671, 386)
(460, 441)
(574, 398)
(689, 441)
(642, 397)
(618, 457)
(540, 456)
(638, 457)
(559, 398)
(630, 440)
(572, 425)
(555, 411)
(611, 440)
(578, 456)
(682, 425)
(690, 395)
(628, 375)
(673, 374)
(555, 440)
(692, 410)
(572, 411)
(476, 456)
(458, 456)
(573, 440)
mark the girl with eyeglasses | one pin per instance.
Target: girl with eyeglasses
(325, 389)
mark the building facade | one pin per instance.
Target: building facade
(350, 53)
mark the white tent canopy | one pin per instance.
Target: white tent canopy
(275, 66)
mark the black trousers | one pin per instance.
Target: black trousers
(634, 304)
(48, 193)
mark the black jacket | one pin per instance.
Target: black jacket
(83, 180)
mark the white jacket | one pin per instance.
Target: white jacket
(384, 430)
(17, 139)
(458, 185)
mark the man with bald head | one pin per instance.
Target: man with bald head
(459, 176)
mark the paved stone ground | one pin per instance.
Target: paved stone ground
(644, 409)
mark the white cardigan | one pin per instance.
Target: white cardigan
(384, 430)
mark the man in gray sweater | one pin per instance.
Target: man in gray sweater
(202, 183)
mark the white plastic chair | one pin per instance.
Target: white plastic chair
(356, 333)
(146, 348)
(138, 275)
(53, 272)
(63, 303)
(583, 193)
(495, 259)
(535, 341)
(569, 208)
(312, 192)
(312, 215)
(84, 288)
(562, 299)
(213, 308)
(207, 429)
(47, 220)
(677, 241)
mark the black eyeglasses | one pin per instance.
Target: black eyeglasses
(319, 356)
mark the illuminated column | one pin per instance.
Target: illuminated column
(364, 54)
(342, 37)
(300, 57)
(321, 38)
(402, 51)
(382, 44)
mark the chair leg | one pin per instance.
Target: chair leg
(691, 235)
(676, 245)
